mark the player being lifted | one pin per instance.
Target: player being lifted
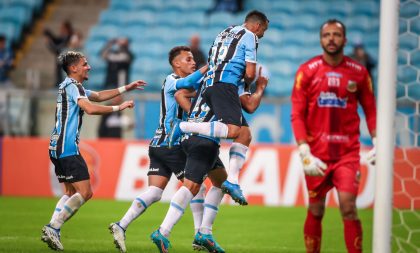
(165, 161)
(325, 122)
(232, 57)
(73, 101)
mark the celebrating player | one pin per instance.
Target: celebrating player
(325, 122)
(231, 58)
(165, 161)
(73, 101)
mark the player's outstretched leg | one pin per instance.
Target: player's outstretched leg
(234, 190)
(208, 242)
(51, 236)
(175, 132)
(161, 242)
(119, 236)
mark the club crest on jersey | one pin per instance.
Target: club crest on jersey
(352, 86)
(330, 99)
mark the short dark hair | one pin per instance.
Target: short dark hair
(68, 59)
(176, 51)
(256, 16)
(330, 22)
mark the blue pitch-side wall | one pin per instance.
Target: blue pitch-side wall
(269, 124)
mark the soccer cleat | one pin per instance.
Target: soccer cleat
(196, 245)
(119, 236)
(51, 236)
(234, 190)
(175, 132)
(162, 243)
(208, 242)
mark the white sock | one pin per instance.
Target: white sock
(140, 204)
(178, 204)
(211, 129)
(237, 155)
(58, 207)
(197, 208)
(69, 209)
(211, 207)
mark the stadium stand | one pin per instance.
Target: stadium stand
(155, 26)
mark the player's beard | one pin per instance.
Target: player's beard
(337, 51)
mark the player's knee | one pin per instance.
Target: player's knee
(155, 193)
(317, 211)
(349, 211)
(86, 194)
(233, 131)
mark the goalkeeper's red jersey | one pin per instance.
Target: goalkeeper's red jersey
(324, 107)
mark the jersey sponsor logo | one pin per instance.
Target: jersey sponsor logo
(336, 138)
(352, 86)
(334, 74)
(314, 64)
(179, 174)
(330, 99)
(153, 169)
(354, 65)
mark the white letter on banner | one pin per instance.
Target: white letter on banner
(295, 178)
(263, 162)
(132, 171)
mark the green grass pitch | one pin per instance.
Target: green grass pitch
(237, 229)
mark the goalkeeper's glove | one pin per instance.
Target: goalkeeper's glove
(312, 166)
(371, 155)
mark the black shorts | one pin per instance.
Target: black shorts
(70, 169)
(202, 155)
(223, 99)
(244, 122)
(165, 161)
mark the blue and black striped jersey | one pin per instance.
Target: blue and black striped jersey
(231, 49)
(68, 119)
(169, 108)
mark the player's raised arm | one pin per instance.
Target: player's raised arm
(95, 109)
(250, 102)
(100, 96)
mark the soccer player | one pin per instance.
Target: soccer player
(231, 58)
(73, 101)
(165, 161)
(325, 122)
(249, 102)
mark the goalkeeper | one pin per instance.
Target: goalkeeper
(325, 122)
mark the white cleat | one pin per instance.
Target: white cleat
(119, 236)
(51, 237)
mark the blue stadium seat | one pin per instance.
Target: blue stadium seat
(403, 26)
(194, 20)
(401, 90)
(337, 9)
(200, 5)
(408, 41)
(415, 59)
(308, 22)
(221, 19)
(10, 30)
(112, 17)
(414, 26)
(16, 14)
(369, 8)
(291, 7)
(406, 74)
(104, 32)
(402, 58)
(168, 18)
(179, 5)
(414, 91)
(140, 18)
(409, 10)
(316, 8)
(94, 47)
